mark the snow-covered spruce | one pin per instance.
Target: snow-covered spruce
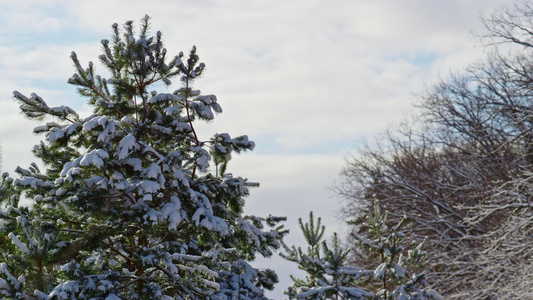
(133, 204)
(331, 275)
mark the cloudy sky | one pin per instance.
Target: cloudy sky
(307, 80)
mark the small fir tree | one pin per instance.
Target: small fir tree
(129, 206)
(330, 275)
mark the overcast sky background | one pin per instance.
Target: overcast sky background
(307, 80)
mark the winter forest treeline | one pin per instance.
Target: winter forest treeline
(134, 204)
(461, 170)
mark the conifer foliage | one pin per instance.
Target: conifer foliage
(130, 205)
(331, 276)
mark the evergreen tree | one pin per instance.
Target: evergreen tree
(330, 275)
(129, 206)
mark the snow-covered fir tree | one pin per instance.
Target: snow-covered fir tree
(133, 204)
(330, 275)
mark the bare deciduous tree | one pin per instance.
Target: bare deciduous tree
(462, 171)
